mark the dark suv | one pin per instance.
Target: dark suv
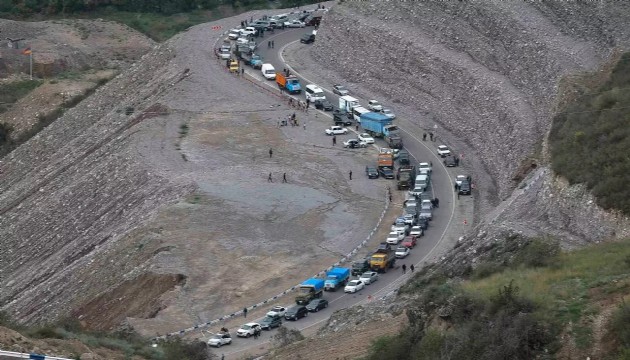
(464, 188)
(296, 312)
(360, 266)
(307, 38)
(270, 322)
(451, 161)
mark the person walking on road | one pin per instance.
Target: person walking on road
(350, 174)
(269, 179)
(334, 140)
(431, 136)
(437, 202)
(284, 177)
(272, 44)
(404, 267)
(412, 268)
(424, 137)
(245, 309)
(270, 152)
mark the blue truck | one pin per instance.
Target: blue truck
(290, 83)
(336, 277)
(379, 125)
(308, 290)
(252, 60)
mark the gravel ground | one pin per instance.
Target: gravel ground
(100, 196)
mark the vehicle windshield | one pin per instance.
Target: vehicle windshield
(246, 327)
(353, 283)
(295, 81)
(305, 290)
(270, 71)
(340, 87)
(366, 276)
(393, 128)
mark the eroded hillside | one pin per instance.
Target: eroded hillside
(150, 199)
(486, 74)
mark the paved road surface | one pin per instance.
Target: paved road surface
(420, 151)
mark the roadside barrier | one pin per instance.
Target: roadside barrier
(17, 355)
(276, 297)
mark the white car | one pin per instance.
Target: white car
(389, 113)
(225, 54)
(354, 143)
(402, 252)
(374, 105)
(366, 138)
(426, 203)
(294, 24)
(400, 228)
(460, 178)
(248, 31)
(443, 151)
(234, 34)
(417, 190)
(425, 166)
(354, 286)
(395, 237)
(336, 130)
(277, 311)
(416, 231)
(248, 329)
(369, 277)
(409, 219)
(220, 339)
(242, 41)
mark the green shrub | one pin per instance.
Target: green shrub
(395, 347)
(589, 139)
(486, 269)
(538, 253)
(620, 324)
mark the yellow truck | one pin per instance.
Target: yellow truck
(233, 66)
(383, 259)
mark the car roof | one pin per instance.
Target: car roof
(252, 324)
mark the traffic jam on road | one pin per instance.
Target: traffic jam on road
(373, 126)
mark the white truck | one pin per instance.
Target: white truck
(347, 103)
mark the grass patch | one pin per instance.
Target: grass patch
(127, 342)
(11, 92)
(514, 306)
(589, 139)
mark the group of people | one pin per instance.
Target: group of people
(431, 136)
(411, 267)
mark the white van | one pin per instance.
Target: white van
(268, 71)
(357, 111)
(422, 181)
(314, 92)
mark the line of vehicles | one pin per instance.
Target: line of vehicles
(406, 231)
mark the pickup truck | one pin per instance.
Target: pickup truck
(336, 277)
(308, 290)
(336, 130)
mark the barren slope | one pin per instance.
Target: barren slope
(174, 225)
(486, 74)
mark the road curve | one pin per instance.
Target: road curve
(419, 150)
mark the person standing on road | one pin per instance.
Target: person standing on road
(437, 202)
(272, 44)
(245, 309)
(270, 152)
(334, 140)
(350, 174)
(404, 267)
(268, 44)
(431, 136)
(424, 137)
(284, 177)
(412, 268)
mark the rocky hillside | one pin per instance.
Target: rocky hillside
(69, 45)
(487, 74)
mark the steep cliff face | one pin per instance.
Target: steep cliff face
(483, 76)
